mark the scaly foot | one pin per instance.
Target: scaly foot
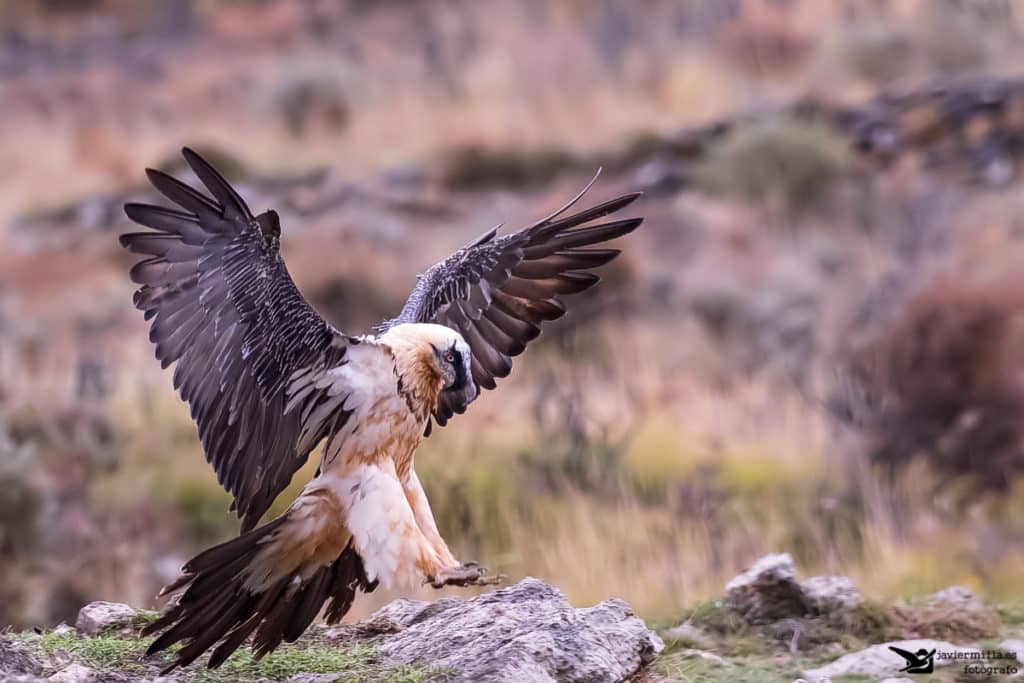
(469, 574)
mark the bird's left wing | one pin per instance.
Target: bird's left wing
(251, 353)
(496, 291)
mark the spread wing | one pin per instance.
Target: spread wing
(497, 291)
(248, 346)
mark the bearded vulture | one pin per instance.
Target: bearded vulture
(267, 380)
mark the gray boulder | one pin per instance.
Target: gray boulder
(97, 617)
(769, 591)
(958, 598)
(826, 594)
(527, 632)
(75, 673)
(766, 592)
(881, 662)
(16, 664)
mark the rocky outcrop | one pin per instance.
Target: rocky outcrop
(971, 127)
(527, 632)
(767, 623)
(15, 663)
(769, 591)
(826, 594)
(97, 617)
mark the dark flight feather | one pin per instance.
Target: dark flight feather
(217, 608)
(496, 291)
(223, 307)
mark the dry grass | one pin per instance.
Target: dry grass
(700, 489)
(939, 381)
(703, 481)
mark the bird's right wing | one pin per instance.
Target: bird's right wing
(252, 355)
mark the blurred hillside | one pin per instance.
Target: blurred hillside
(812, 345)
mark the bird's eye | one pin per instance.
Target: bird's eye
(450, 357)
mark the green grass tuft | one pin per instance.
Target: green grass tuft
(680, 667)
(104, 652)
(126, 655)
(1012, 613)
(290, 661)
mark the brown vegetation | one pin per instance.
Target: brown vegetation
(941, 381)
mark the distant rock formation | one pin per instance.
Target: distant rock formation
(769, 591)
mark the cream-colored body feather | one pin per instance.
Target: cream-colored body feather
(367, 489)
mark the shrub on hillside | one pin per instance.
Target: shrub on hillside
(308, 95)
(781, 162)
(475, 167)
(943, 381)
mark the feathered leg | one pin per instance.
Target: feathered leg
(387, 535)
(420, 506)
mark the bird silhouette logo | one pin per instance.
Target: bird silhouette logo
(920, 662)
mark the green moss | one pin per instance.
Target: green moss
(353, 663)
(1012, 614)
(105, 652)
(126, 655)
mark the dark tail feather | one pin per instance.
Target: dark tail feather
(216, 607)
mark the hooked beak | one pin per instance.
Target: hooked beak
(460, 397)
